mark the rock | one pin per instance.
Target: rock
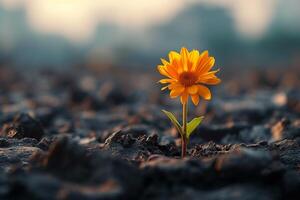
(217, 132)
(255, 135)
(232, 192)
(4, 143)
(249, 136)
(288, 152)
(110, 190)
(291, 158)
(138, 130)
(119, 137)
(4, 187)
(33, 186)
(46, 115)
(248, 108)
(23, 126)
(17, 155)
(11, 142)
(44, 143)
(71, 162)
(135, 145)
(100, 121)
(209, 149)
(63, 126)
(245, 164)
(65, 154)
(167, 140)
(173, 170)
(291, 184)
(42, 186)
(113, 95)
(83, 100)
(293, 101)
(278, 128)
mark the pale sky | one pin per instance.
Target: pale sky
(77, 20)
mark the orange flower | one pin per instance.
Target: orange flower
(187, 73)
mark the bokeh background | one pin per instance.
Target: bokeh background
(134, 34)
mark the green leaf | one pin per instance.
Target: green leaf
(173, 120)
(192, 125)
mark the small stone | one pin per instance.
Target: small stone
(24, 126)
(4, 143)
(280, 99)
(44, 144)
(152, 139)
(278, 128)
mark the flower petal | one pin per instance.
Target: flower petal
(184, 58)
(164, 62)
(192, 89)
(209, 64)
(163, 71)
(206, 65)
(184, 97)
(163, 88)
(208, 75)
(173, 55)
(202, 59)
(166, 80)
(209, 78)
(194, 57)
(178, 65)
(175, 85)
(195, 99)
(176, 92)
(204, 92)
(171, 69)
(211, 81)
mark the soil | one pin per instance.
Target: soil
(85, 135)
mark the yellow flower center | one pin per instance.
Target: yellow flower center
(187, 79)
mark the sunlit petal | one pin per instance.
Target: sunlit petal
(163, 71)
(184, 58)
(173, 55)
(194, 57)
(208, 75)
(164, 62)
(204, 92)
(163, 88)
(184, 98)
(195, 99)
(176, 92)
(193, 89)
(175, 85)
(166, 80)
(207, 65)
(202, 59)
(172, 71)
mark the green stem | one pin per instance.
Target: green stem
(184, 127)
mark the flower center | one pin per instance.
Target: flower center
(187, 79)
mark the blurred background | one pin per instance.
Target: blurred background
(134, 34)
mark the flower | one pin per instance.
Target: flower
(187, 74)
